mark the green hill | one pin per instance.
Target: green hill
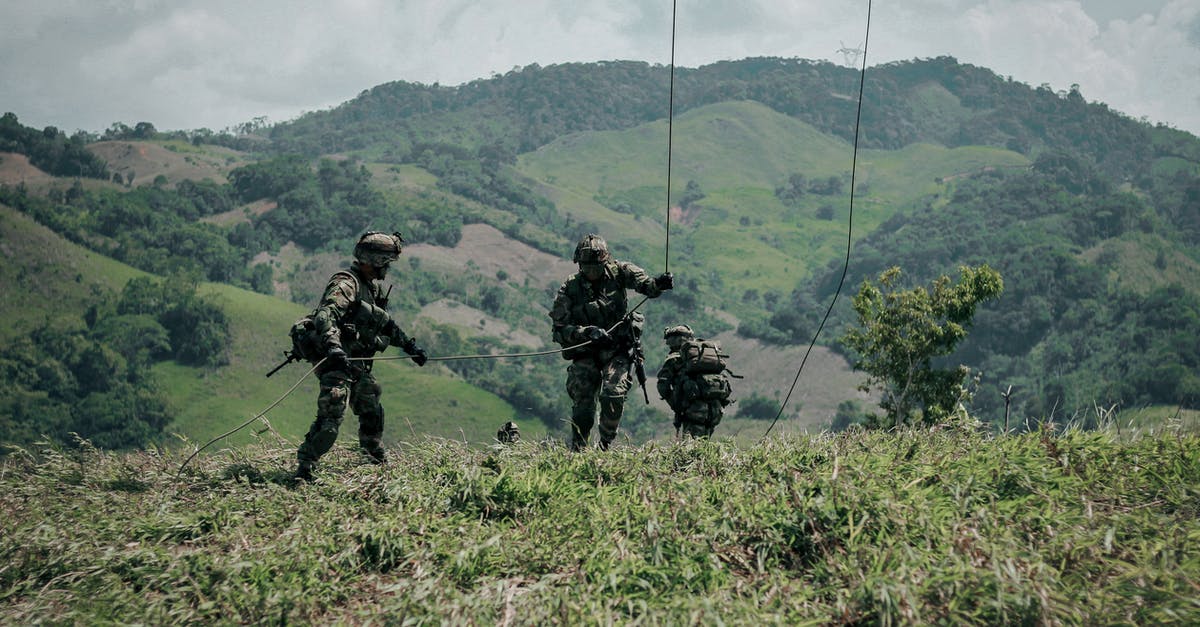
(1084, 210)
(738, 153)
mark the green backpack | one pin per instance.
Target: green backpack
(705, 372)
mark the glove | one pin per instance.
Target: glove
(595, 335)
(337, 359)
(665, 281)
(418, 353)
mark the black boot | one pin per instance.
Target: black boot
(304, 473)
(376, 455)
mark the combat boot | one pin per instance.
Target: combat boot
(304, 473)
(375, 454)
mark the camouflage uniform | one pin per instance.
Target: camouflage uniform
(695, 417)
(599, 372)
(349, 318)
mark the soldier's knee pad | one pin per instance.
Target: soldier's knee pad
(324, 438)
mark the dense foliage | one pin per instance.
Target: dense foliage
(50, 149)
(92, 377)
(929, 100)
(1063, 334)
(911, 527)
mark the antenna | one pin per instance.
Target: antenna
(850, 54)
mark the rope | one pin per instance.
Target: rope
(849, 228)
(260, 415)
(670, 140)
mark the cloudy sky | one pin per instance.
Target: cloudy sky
(185, 64)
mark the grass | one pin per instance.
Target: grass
(909, 527)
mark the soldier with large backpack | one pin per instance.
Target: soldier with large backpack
(694, 381)
(351, 321)
(588, 306)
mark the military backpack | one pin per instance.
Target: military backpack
(701, 356)
(704, 371)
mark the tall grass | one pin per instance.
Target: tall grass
(918, 526)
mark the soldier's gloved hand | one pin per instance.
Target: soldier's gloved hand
(596, 335)
(418, 353)
(665, 281)
(337, 359)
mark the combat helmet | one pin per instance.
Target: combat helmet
(679, 330)
(378, 249)
(675, 336)
(592, 249)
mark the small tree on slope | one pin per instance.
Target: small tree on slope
(899, 333)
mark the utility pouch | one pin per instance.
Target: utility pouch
(305, 342)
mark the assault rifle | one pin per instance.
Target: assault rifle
(639, 367)
(289, 356)
(636, 355)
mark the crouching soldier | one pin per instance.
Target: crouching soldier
(351, 321)
(693, 381)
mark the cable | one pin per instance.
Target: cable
(849, 228)
(260, 415)
(670, 140)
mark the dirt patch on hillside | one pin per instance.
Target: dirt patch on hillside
(769, 371)
(491, 251)
(478, 322)
(241, 214)
(147, 160)
(15, 168)
(682, 216)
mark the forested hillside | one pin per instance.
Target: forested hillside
(1092, 218)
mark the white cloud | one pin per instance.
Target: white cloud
(193, 63)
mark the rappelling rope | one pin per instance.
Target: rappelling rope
(849, 228)
(670, 139)
(262, 414)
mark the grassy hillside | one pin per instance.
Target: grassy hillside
(915, 527)
(738, 153)
(46, 277)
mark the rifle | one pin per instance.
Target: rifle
(290, 356)
(636, 354)
(639, 368)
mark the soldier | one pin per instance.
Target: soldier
(508, 433)
(352, 321)
(588, 305)
(697, 399)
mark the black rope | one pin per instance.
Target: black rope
(849, 228)
(670, 139)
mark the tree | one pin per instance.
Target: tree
(900, 332)
(691, 195)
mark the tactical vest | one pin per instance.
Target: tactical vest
(361, 328)
(599, 304)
